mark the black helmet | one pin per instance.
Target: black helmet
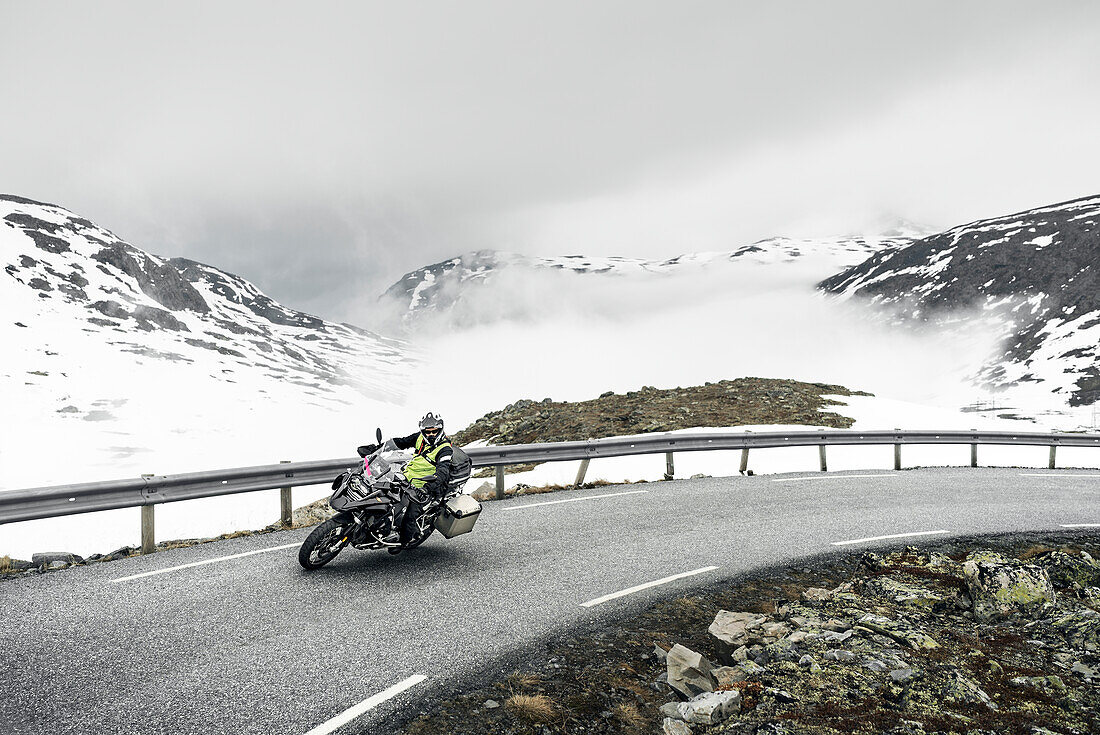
(431, 428)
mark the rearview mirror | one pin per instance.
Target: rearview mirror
(378, 435)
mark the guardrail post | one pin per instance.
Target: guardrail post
(821, 456)
(974, 453)
(286, 506)
(1050, 464)
(744, 460)
(148, 539)
(500, 482)
(581, 472)
(670, 469)
(897, 454)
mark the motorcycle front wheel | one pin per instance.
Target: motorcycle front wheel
(323, 544)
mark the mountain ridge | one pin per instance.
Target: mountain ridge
(1034, 272)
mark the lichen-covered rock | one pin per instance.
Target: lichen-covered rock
(909, 595)
(1069, 570)
(959, 688)
(898, 631)
(1081, 629)
(727, 676)
(1000, 588)
(689, 673)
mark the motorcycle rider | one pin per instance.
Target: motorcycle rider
(428, 473)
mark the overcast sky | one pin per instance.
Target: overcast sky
(323, 149)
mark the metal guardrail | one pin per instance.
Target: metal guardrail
(151, 490)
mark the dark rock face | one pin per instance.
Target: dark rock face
(1040, 267)
(161, 282)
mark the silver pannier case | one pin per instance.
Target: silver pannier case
(458, 516)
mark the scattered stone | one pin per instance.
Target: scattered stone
(901, 676)
(675, 727)
(816, 594)
(1085, 671)
(689, 673)
(834, 637)
(1048, 683)
(491, 704)
(1001, 589)
(875, 665)
(839, 654)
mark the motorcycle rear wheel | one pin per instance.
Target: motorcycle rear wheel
(323, 544)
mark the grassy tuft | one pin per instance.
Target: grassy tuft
(534, 708)
(630, 715)
(5, 564)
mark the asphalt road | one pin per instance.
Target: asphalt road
(255, 644)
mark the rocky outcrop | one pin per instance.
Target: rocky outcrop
(1000, 588)
(743, 401)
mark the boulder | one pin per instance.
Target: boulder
(1070, 571)
(1081, 629)
(45, 559)
(689, 673)
(710, 708)
(1001, 588)
(736, 629)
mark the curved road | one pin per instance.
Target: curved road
(254, 644)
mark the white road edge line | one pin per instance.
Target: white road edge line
(1080, 525)
(367, 704)
(826, 477)
(647, 585)
(892, 535)
(575, 500)
(205, 561)
(1052, 474)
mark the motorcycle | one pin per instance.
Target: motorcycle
(366, 499)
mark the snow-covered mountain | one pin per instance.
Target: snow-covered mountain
(95, 329)
(1034, 275)
(438, 289)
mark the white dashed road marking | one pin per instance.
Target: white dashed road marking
(881, 538)
(366, 705)
(205, 561)
(575, 500)
(647, 585)
(1080, 525)
(825, 477)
